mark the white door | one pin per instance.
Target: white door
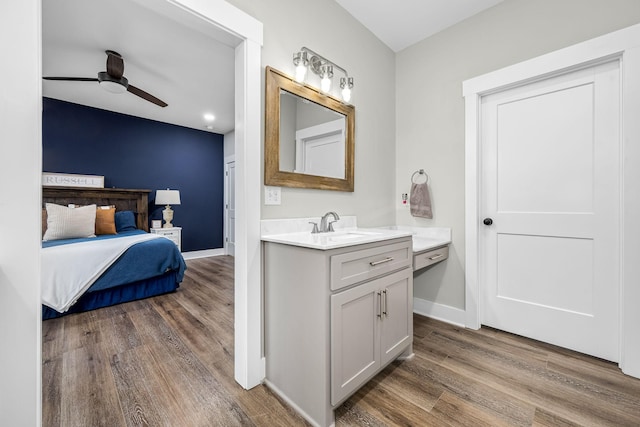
(550, 154)
(320, 149)
(230, 207)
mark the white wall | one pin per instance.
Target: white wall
(229, 144)
(326, 28)
(430, 107)
(20, 178)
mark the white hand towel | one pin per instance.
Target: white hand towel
(420, 201)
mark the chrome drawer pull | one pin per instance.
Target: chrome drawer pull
(382, 261)
(379, 304)
(436, 256)
(384, 310)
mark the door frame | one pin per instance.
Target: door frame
(231, 25)
(623, 45)
(227, 161)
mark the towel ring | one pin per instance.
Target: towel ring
(420, 172)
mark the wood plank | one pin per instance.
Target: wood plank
(52, 392)
(53, 342)
(472, 389)
(573, 400)
(544, 418)
(118, 334)
(389, 408)
(409, 388)
(145, 397)
(452, 410)
(80, 330)
(90, 397)
(193, 385)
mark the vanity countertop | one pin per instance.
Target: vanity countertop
(341, 238)
(425, 238)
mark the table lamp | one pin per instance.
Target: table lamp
(167, 197)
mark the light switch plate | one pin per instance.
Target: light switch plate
(271, 195)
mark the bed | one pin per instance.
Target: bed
(144, 264)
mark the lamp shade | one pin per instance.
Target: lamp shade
(167, 197)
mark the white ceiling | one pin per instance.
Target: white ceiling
(182, 65)
(186, 62)
(401, 23)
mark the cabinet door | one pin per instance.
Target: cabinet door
(396, 327)
(355, 343)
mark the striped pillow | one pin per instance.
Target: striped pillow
(69, 223)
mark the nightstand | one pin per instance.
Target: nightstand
(172, 233)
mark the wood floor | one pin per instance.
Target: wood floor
(168, 361)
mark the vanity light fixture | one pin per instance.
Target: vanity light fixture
(321, 66)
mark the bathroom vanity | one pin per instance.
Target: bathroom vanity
(338, 309)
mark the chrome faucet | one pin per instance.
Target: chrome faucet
(325, 224)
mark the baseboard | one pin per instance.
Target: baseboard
(442, 312)
(203, 254)
(291, 403)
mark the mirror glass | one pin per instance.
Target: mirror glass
(309, 139)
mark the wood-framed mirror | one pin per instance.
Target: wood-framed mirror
(309, 136)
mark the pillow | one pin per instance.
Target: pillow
(69, 223)
(105, 220)
(125, 221)
(44, 222)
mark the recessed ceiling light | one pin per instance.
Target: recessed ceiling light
(209, 127)
(209, 117)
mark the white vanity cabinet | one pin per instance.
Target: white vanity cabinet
(371, 325)
(333, 319)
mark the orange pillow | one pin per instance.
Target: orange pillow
(105, 220)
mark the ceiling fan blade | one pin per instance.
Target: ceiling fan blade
(115, 64)
(72, 79)
(144, 95)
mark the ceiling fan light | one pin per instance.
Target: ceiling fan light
(112, 87)
(112, 84)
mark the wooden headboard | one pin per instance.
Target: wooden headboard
(123, 199)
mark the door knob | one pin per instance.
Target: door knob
(487, 221)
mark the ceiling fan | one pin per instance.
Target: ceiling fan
(113, 79)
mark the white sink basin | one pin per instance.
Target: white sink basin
(336, 239)
(351, 235)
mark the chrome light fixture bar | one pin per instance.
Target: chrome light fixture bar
(321, 66)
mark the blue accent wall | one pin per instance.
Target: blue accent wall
(131, 152)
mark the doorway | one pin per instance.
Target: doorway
(244, 34)
(622, 46)
(549, 189)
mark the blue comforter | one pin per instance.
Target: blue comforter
(141, 261)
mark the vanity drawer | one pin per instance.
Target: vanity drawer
(356, 266)
(425, 259)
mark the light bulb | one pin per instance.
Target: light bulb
(301, 72)
(325, 84)
(346, 94)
